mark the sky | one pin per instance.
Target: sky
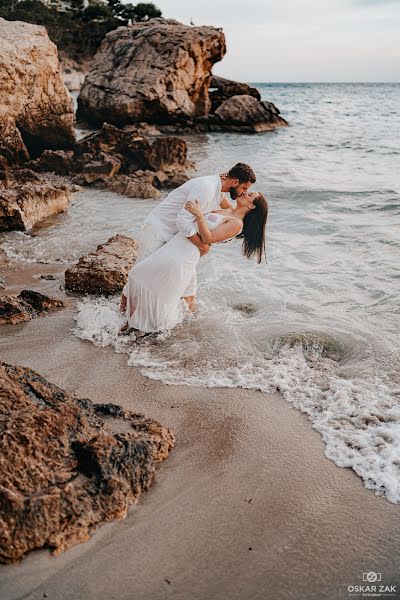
(300, 40)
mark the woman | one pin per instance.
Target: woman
(156, 284)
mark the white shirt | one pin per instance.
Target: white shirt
(170, 216)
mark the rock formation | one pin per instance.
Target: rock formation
(160, 72)
(27, 305)
(36, 111)
(104, 271)
(155, 71)
(26, 198)
(221, 89)
(121, 160)
(67, 464)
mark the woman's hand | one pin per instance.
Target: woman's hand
(195, 209)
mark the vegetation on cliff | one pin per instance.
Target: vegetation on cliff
(77, 26)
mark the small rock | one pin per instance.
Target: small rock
(104, 166)
(104, 271)
(246, 113)
(26, 306)
(39, 301)
(245, 308)
(329, 346)
(47, 276)
(132, 187)
(222, 89)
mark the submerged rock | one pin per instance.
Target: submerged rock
(154, 71)
(67, 464)
(27, 198)
(104, 271)
(36, 111)
(246, 308)
(329, 346)
(27, 305)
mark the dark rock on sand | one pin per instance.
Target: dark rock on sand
(47, 276)
(67, 464)
(2, 283)
(104, 271)
(26, 198)
(245, 113)
(27, 305)
(36, 111)
(154, 71)
(226, 88)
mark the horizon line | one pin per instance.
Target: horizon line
(304, 81)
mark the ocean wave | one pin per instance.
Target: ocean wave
(358, 418)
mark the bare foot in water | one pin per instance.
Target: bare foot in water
(125, 329)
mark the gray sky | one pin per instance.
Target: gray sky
(300, 40)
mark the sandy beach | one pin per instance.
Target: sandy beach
(247, 506)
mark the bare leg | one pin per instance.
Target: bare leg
(122, 306)
(191, 302)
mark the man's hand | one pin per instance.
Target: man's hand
(204, 248)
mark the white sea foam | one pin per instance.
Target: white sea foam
(359, 419)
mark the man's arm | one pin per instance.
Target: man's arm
(196, 240)
(184, 220)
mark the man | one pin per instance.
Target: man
(170, 216)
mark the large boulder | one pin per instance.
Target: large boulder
(27, 198)
(67, 464)
(104, 271)
(156, 71)
(246, 113)
(36, 111)
(221, 89)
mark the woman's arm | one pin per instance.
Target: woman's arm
(219, 234)
(204, 231)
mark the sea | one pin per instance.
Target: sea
(319, 321)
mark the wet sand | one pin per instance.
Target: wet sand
(246, 507)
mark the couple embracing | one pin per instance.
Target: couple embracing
(177, 233)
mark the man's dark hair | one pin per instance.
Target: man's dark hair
(242, 172)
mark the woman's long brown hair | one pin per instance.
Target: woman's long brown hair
(253, 232)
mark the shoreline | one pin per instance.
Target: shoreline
(247, 471)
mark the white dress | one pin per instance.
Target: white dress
(157, 283)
